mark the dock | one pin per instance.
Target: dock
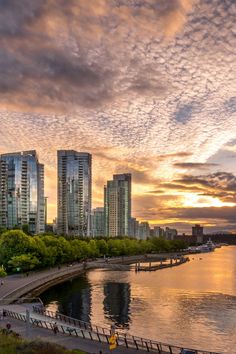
(171, 262)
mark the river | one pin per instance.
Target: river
(192, 305)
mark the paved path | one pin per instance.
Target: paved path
(13, 282)
(18, 285)
(64, 340)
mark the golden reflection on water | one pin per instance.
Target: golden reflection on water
(192, 305)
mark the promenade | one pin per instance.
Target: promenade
(19, 285)
(65, 340)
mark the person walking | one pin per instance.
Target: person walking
(55, 328)
(8, 327)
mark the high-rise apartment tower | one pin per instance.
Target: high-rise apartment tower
(74, 192)
(22, 191)
(117, 205)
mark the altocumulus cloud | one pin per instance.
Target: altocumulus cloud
(148, 80)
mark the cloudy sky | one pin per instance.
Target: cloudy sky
(146, 86)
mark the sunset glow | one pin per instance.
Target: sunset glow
(146, 89)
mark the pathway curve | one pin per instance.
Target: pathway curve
(16, 286)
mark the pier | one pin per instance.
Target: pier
(171, 262)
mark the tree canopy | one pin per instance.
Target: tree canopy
(21, 252)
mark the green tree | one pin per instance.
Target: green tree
(3, 273)
(93, 249)
(25, 262)
(13, 243)
(2, 230)
(25, 229)
(102, 246)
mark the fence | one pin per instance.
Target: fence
(28, 300)
(125, 340)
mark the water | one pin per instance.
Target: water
(193, 305)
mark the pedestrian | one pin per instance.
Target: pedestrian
(4, 314)
(55, 328)
(8, 327)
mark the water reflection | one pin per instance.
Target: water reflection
(192, 305)
(116, 303)
(72, 298)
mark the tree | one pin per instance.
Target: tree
(3, 273)
(25, 262)
(2, 230)
(13, 243)
(25, 229)
(102, 246)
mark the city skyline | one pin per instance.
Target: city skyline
(147, 89)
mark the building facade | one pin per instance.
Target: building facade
(197, 231)
(170, 234)
(144, 230)
(97, 222)
(74, 195)
(117, 205)
(134, 228)
(22, 191)
(158, 231)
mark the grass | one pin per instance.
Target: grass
(13, 344)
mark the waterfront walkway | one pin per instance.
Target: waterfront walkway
(66, 341)
(85, 337)
(16, 286)
(30, 319)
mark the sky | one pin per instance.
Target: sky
(147, 86)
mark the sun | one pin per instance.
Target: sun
(196, 201)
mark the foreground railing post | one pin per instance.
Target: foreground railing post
(136, 344)
(158, 348)
(27, 317)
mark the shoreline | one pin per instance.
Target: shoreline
(38, 282)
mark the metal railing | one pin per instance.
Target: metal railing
(125, 340)
(22, 300)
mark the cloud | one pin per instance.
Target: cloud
(226, 214)
(194, 165)
(15, 15)
(230, 105)
(143, 85)
(219, 180)
(184, 113)
(48, 45)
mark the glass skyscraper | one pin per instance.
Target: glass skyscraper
(22, 191)
(117, 205)
(74, 194)
(97, 222)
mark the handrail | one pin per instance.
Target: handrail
(22, 300)
(128, 340)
